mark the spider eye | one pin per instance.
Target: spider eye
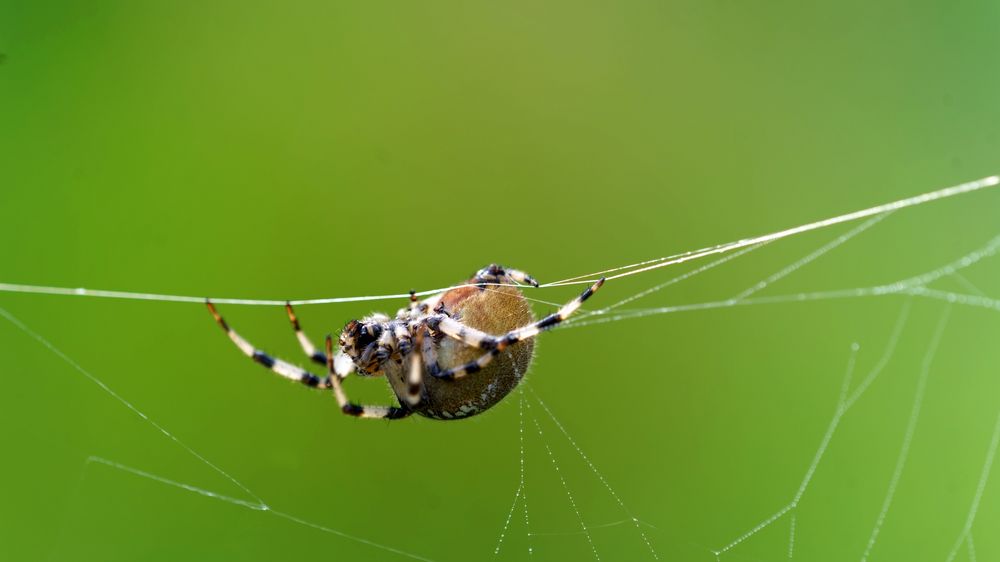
(368, 334)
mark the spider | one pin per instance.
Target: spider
(438, 355)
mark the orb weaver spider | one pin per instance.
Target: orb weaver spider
(456, 367)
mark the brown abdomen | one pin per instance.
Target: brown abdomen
(494, 310)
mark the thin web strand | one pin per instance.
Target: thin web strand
(988, 250)
(663, 285)
(913, 286)
(506, 523)
(520, 484)
(846, 385)
(831, 429)
(635, 520)
(811, 470)
(791, 538)
(565, 485)
(984, 476)
(812, 256)
(618, 523)
(968, 284)
(328, 530)
(127, 295)
(754, 530)
(944, 296)
(524, 488)
(248, 505)
(955, 298)
(825, 223)
(150, 476)
(104, 387)
(844, 404)
(911, 426)
(890, 350)
(756, 287)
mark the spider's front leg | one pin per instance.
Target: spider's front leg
(415, 378)
(279, 366)
(307, 345)
(496, 344)
(351, 408)
(394, 343)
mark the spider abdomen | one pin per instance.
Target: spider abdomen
(494, 310)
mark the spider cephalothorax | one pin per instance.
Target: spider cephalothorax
(450, 356)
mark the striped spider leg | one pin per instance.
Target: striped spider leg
(332, 380)
(497, 274)
(279, 366)
(308, 346)
(494, 345)
(368, 411)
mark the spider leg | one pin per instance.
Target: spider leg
(358, 410)
(428, 352)
(494, 273)
(404, 343)
(386, 345)
(280, 367)
(307, 345)
(394, 343)
(495, 345)
(477, 338)
(414, 303)
(415, 378)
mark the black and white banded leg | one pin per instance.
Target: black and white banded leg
(386, 344)
(428, 353)
(494, 273)
(279, 366)
(496, 344)
(358, 410)
(308, 346)
(415, 377)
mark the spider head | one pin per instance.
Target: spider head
(356, 336)
(359, 340)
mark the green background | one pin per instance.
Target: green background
(259, 150)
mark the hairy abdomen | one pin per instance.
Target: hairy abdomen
(494, 310)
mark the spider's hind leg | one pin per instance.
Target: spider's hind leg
(496, 344)
(498, 274)
(280, 367)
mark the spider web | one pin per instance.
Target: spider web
(525, 529)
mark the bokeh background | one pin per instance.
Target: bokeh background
(308, 149)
